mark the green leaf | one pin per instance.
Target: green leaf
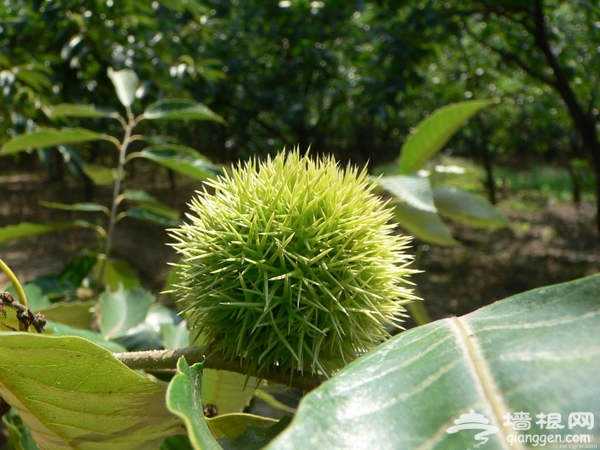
(50, 137)
(147, 202)
(119, 311)
(178, 109)
(60, 329)
(78, 269)
(19, 436)
(411, 189)
(178, 442)
(26, 229)
(468, 208)
(117, 274)
(100, 175)
(432, 133)
(71, 110)
(535, 352)
(184, 396)
(181, 159)
(126, 83)
(256, 435)
(74, 314)
(424, 225)
(150, 216)
(34, 78)
(73, 394)
(230, 392)
(175, 335)
(87, 207)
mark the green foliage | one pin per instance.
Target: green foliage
(234, 431)
(504, 358)
(417, 204)
(286, 259)
(348, 77)
(126, 84)
(116, 407)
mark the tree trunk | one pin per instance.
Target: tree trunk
(584, 123)
(486, 159)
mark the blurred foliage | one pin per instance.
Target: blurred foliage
(348, 78)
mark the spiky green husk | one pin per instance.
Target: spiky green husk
(292, 264)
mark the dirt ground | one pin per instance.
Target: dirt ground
(549, 243)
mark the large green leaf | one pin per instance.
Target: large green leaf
(71, 110)
(411, 189)
(466, 207)
(26, 229)
(422, 224)
(126, 83)
(431, 134)
(535, 353)
(50, 137)
(122, 310)
(181, 159)
(73, 394)
(178, 109)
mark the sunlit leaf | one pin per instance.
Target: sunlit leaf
(50, 137)
(536, 353)
(90, 399)
(411, 189)
(100, 175)
(178, 109)
(431, 134)
(424, 225)
(72, 110)
(468, 208)
(126, 83)
(181, 159)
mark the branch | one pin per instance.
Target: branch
(160, 360)
(513, 58)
